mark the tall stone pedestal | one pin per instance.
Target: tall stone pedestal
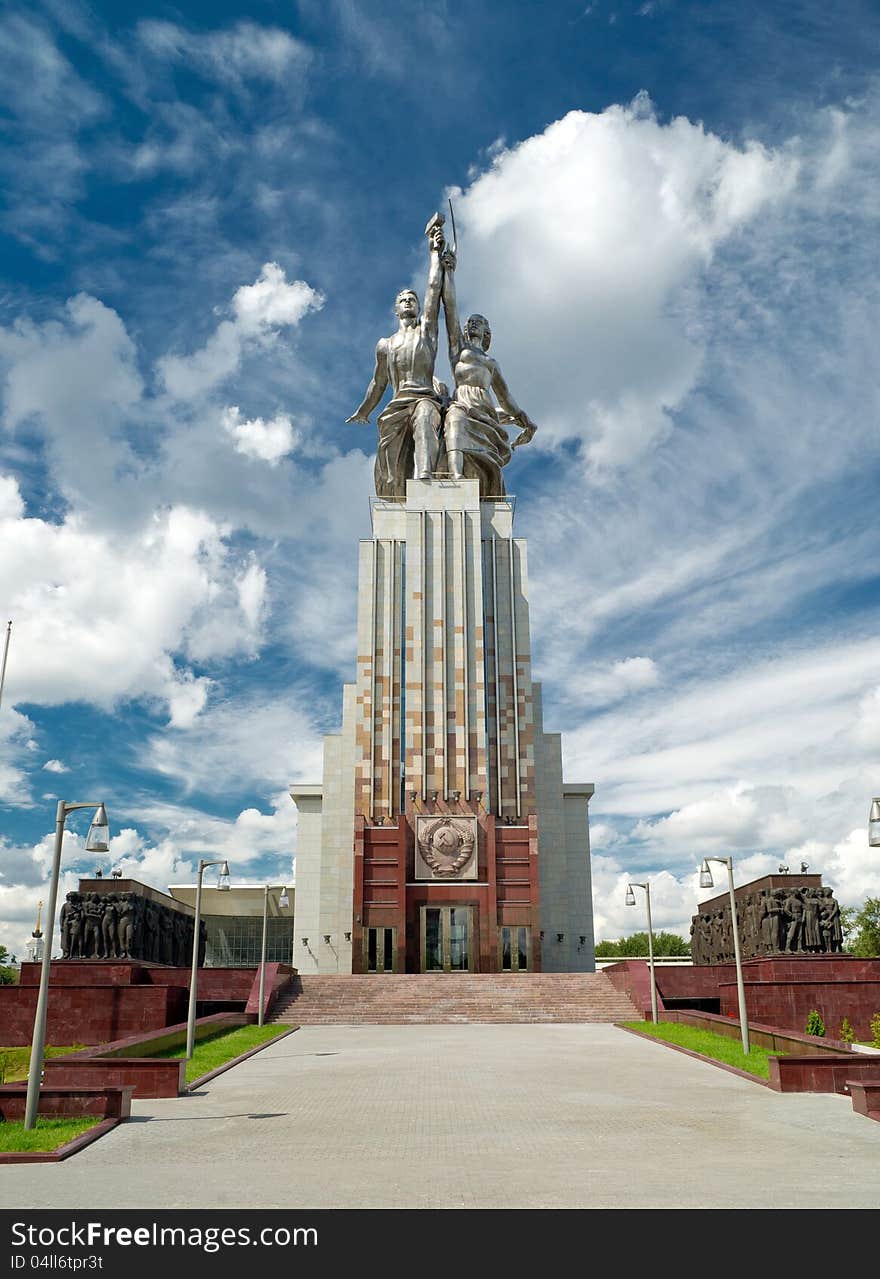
(442, 835)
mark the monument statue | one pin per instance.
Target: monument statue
(477, 446)
(409, 425)
(420, 432)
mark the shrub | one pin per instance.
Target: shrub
(875, 1030)
(846, 1032)
(4, 1066)
(815, 1025)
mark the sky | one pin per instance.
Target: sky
(669, 213)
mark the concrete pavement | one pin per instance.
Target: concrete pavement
(472, 1116)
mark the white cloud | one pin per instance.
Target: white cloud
(586, 237)
(261, 741)
(232, 55)
(269, 441)
(260, 310)
(11, 503)
(55, 766)
(76, 378)
(100, 617)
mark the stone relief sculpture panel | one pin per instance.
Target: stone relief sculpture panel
(772, 921)
(446, 848)
(125, 925)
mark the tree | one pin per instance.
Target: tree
(636, 946)
(863, 937)
(8, 974)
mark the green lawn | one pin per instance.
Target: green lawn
(15, 1062)
(48, 1134)
(221, 1047)
(706, 1042)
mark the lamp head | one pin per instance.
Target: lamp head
(283, 900)
(223, 878)
(98, 840)
(706, 880)
(630, 899)
(874, 824)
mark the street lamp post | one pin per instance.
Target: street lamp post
(97, 842)
(874, 824)
(283, 903)
(706, 881)
(223, 886)
(631, 901)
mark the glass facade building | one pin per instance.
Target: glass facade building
(234, 941)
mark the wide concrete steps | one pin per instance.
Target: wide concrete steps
(437, 998)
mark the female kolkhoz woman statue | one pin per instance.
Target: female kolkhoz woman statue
(477, 445)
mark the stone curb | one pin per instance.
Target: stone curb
(234, 1061)
(60, 1152)
(689, 1052)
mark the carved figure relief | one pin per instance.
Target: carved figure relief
(126, 926)
(775, 921)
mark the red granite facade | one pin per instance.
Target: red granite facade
(503, 894)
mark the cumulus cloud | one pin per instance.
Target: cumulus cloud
(586, 237)
(260, 310)
(269, 441)
(55, 766)
(76, 379)
(101, 617)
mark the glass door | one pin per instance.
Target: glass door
(516, 949)
(447, 936)
(380, 950)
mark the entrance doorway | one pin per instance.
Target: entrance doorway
(516, 949)
(380, 950)
(447, 939)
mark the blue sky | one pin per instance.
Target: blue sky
(668, 212)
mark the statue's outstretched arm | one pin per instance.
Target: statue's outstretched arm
(512, 410)
(450, 309)
(377, 386)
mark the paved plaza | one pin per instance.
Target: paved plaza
(470, 1116)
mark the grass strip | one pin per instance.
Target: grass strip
(15, 1062)
(217, 1049)
(708, 1044)
(49, 1134)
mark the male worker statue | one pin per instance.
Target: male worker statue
(409, 426)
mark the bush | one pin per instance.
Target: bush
(875, 1030)
(815, 1025)
(846, 1032)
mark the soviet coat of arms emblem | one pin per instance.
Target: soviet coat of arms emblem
(447, 845)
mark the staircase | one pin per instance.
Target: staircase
(435, 998)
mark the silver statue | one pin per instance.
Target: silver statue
(409, 426)
(473, 443)
(477, 446)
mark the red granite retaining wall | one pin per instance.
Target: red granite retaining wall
(106, 1103)
(145, 1076)
(826, 1072)
(96, 1001)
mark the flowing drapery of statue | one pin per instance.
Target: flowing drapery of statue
(422, 431)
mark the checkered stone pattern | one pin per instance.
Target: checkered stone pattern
(433, 657)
